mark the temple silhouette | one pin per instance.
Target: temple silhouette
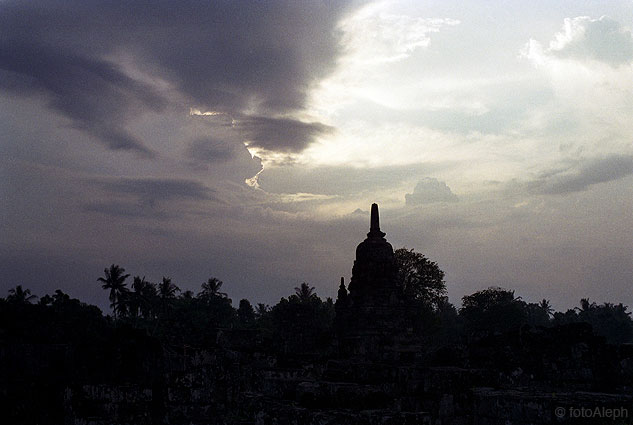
(371, 314)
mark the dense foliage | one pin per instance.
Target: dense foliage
(301, 322)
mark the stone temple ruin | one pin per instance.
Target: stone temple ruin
(372, 313)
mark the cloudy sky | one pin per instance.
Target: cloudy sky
(247, 140)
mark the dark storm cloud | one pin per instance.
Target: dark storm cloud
(280, 134)
(260, 56)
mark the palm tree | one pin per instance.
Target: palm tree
(167, 292)
(546, 307)
(305, 292)
(115, 281)
(18, 295)
(586, 306)
(146, 297)
(59, 297)
(261, 310)
(141, 298)
(211, 289)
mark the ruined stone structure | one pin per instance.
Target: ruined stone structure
(372, 314)
(372, 289)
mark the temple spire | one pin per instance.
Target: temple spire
(374, 223)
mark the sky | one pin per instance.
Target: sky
(247, 140)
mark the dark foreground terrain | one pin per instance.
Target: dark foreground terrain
(124, 376)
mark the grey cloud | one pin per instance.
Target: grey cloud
(280, 134)
(430, 190)
(577, 177)
(601, 39)
(228, 159)
(232, 57)
(600, 170)
(146, 198)
(158, 189)
(125, 209)
(211, 150)
(94, 94)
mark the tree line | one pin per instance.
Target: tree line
(302, 320)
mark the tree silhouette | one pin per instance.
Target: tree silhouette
(302, 321)
(167, 290)
(166, 294)
(492, 310)
(143, 297)
(57, 299)
(18, 295)
(261, 310)
(211, 289)
(305, 293)
(609, 320)
(245, 313)
(419, 278)
(536, 314)
(546, 307)
(586, 306)
(115, 281)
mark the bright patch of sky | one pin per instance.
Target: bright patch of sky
(470, 84)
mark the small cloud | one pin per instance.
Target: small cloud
(196, 111)
(373, 35)
(430, 190)
(303, 197)
(359, 212)
(582, 38)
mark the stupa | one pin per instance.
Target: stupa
(372, 312)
